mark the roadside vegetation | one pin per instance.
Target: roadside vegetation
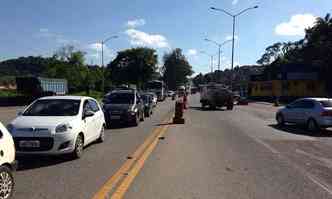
(8, 93)
(313, 52)
(131, 66)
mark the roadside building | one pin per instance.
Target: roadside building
(289, 83)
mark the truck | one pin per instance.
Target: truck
(39, 86)
(157, 87)
(216, 95)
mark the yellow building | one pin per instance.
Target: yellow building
(292, 88)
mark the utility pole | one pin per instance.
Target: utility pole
(102, 59)
(233, 39)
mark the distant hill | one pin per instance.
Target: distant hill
(24, 66)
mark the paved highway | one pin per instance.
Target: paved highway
(58, 177)
(216, 154)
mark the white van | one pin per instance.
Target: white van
(7, 163)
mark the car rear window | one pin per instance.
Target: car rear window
(120, 98)
(326, 103)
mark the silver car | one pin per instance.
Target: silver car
(315, 113)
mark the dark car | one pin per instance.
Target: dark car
(123, 106)
(148, 104)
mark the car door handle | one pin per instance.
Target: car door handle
(1, 153)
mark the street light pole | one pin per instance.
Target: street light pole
(211, 63)
(211, 58)
(233, 39)
(219, 57)
(102, 66)
(102, 59)
(219, 49)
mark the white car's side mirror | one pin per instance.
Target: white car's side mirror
(19, 113)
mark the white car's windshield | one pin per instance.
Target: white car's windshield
(53, 107)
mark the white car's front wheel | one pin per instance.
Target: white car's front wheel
(79, 145)
(101, 135)
(6, 183)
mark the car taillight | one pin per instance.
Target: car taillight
(326, 113)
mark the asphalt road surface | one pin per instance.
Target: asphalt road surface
(214, 155)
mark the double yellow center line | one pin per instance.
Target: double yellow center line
(131, 167)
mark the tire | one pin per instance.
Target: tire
(101, 138)
(142, 117)
(136, 122)
(230, 107)
(280, 120)
(312, 126)
(7, 183)
(213, 107)
(108, 124)
(79, 145)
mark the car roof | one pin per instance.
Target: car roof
(68, 97)
(316, 98)
(123, 91)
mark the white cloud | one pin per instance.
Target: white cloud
(229, 37)
(58, 38)
(192, 52)
(135, 23)
(234, 2)
(95, 47)
(43, 30)
(296, 25)
(93, 51)
(145, 39)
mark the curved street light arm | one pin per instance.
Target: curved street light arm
(222, 10)
(109, 38)
(225, 42)
(245, 10)
(209, 40)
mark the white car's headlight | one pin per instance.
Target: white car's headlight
(10, 128)
(62, 128)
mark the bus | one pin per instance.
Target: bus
(157, 87)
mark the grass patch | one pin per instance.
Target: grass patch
(8, 93)
(94, 94)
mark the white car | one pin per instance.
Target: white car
(7, 163)
(58, 125)
(315, 113)
(154, 98)
(170, 93)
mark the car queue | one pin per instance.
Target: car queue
(64, 125)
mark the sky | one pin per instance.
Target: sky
(40, 27)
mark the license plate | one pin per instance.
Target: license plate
(115, 117)
(29, 144)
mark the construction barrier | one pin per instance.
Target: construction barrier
(178, 115)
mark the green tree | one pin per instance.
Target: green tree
(68, 63)
(274, 52)
(319, 48)
(199, 79)
(176, 69)
(133, 66)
